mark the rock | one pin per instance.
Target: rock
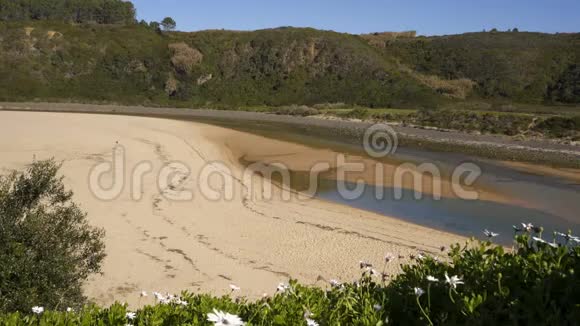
(171, 86)
(204, 79)
(28, 30)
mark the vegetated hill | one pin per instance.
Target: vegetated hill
(77, 11)
(517, 66)
(55, 61)
(304, 66)
(136, 64)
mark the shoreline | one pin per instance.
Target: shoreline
(488, 146)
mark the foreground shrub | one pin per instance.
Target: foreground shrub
(47, 249)
(535, 284)
(480, 284)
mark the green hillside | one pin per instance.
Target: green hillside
(516, 66)
(80, 58)
(136, 64)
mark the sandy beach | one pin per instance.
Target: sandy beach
(201, 244)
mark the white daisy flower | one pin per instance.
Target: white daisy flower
(282, 287)
(69, 309)
(453, 281)
(377, 307)
(527, 227)
(143, 294)
(389, 258)
(540, 240)
(335, 283)
(490, 234)
(568, 237)
(235, 287)
(419, 292)
(310, 322)
(220, 318)
(432, 279)
(37, 310)
(130, 315)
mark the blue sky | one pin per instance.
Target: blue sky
(428, 17)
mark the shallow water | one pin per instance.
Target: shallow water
(468, 218)
(551, 202)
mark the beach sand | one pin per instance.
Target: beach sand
(156, 243)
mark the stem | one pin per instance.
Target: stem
(429, 296)
(451, 296)
(424, 313)
(383, 278)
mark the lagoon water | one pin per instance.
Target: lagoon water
(468, 218)
(552, 202)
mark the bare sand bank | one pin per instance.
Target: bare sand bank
(202, 244)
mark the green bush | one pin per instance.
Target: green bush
(77, 11)
(484, 122)
(535, 284)
(357, 113)
(47, 249)
(296, 110)
(560, 126)
(479, 284)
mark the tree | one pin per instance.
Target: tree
(155, 26)
(168, 24)
(47, 247)
(79, 11)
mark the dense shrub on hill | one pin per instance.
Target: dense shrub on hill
(76, 11)
(135, 65)
(97, 63)
(566, 88)
(523, 67)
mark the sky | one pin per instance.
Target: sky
(427, 17)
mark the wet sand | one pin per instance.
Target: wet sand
(570, 174)
(203, 244)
